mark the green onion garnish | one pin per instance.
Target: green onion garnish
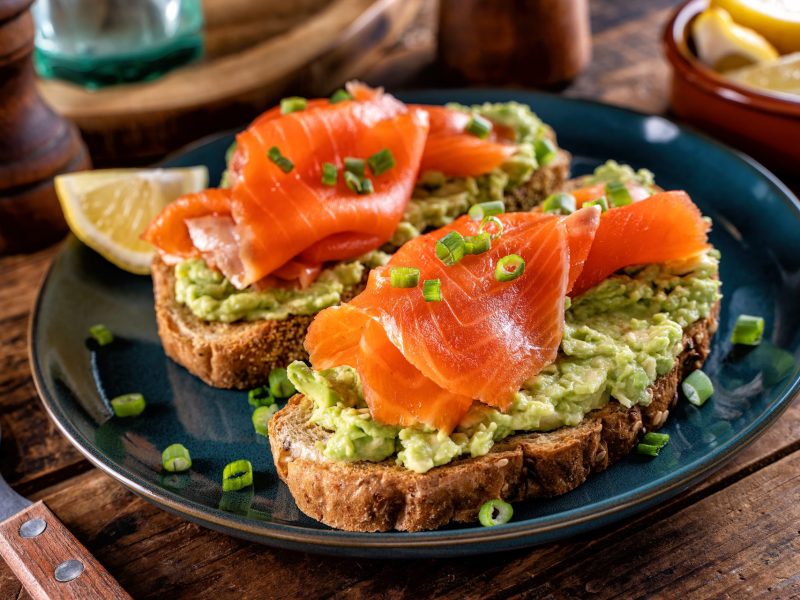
(486, 209)
(450, 249)
(477, 244)
(330, 174)
(340, 96)
(366, 186)
(128, 405)
(495, 512)
(279, 384)
(749, 330)
(545, 150)
(509, 268)
(432, 290)
(404, 277)
(601, 202)
(487, 223)
(648, 449)
(176, 459)
(354, 165)
(293, 104)
(352, 181)
(261, 396)
(559, 203)
(656, 439)
(479, 126)
(283, 163)
(380, 162)
(618, 194)
(237, 475)
(697, 388)
(101, 334)
(261, 417)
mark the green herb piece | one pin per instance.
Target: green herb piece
(648, 449)
(283, 163)
(237, 475)
(545, 151)
(260, 396)
(340, 96)
(355, 165)
(749, 330)
(477, 244)
(653, 438)
(488, 223)
(261, 417)
(479, 126)
(697, 388)
(450, 249)
(486, 209)
(128, 405)
(404, 277)
(432, 290)
(618, 195)
(101, 334)
(293, 104)
(559, 203)
(509, 268)
(601, 202)
(495, 512)
(176, 459)
(330, 174)
(380, 162)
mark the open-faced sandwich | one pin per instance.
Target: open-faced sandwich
(502, 358)
(316, 193)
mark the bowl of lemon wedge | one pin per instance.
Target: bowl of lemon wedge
(736, 74)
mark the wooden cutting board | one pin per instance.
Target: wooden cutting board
(256, 51)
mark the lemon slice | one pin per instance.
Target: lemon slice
(108, 209)
(776, 20)
(723, 45)
(782, 75)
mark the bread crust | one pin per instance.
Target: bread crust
(383, 496)
(241, 355)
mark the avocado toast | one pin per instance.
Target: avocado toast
(231, 329)
(396, 430)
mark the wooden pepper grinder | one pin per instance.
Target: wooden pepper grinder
(36, 144)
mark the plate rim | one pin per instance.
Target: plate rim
(571, 521)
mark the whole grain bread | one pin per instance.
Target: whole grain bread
(364, 496)
(241, 355)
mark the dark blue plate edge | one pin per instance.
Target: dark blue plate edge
(437, 542)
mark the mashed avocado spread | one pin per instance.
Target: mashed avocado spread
(437, 200)
(618, 338)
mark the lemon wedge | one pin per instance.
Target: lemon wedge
(723, 45)
(108, 209)
(777, 20)
(782, 75)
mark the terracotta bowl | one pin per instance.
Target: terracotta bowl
(766, 126)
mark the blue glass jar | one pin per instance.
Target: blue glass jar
(103, 42)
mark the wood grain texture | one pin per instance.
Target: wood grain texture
(36, 560)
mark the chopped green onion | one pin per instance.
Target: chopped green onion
(261, 417)
(366, 186)
(477, 244)
(486, 209)
(432, 290)
(655, 439)
(560, 203)
(487, 222)
(354, 165)
(404, 277)
(237, 475)
(601, 202)
(293, 104)
(495, 512)
(450, 249)
(261, 396)
(176, 459)
(618, 194)
(101, 334)
(748, 330)
(479, 126)
(380, 162)
(648, 449)
(352, 181)
(340, 96)
(509, 268)
(283, 163)
(279, 384)
(545, 150)
(330, 174)
(128, 405)
(697, 387)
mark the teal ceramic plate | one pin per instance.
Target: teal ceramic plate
(756, 227)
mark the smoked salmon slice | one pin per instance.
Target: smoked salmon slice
(665, 226)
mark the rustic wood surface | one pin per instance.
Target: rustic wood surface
(736, 535)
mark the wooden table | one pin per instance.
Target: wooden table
(736, 535)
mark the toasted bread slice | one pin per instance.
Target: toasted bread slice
(382, 496)
(241, 355)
